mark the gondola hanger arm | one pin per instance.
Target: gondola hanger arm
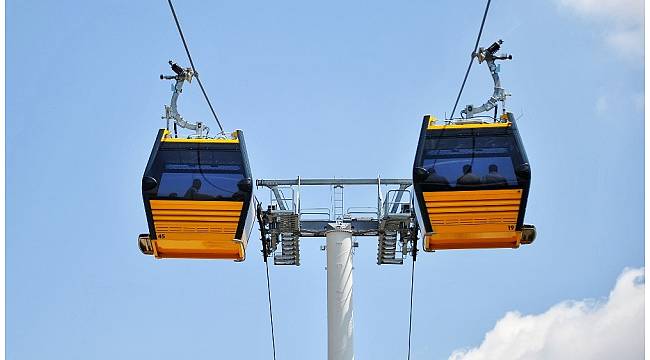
(171, 110)
(489, 56)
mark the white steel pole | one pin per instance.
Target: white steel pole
(339, 293)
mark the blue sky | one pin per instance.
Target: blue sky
(321, 90)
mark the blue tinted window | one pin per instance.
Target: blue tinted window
(491, 158)
(197, 174)
(197, 186)
(452, 169)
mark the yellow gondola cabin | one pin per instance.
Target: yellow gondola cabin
(197, 196)
(471, 182)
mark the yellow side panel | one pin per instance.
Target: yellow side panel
(190, 249)
(197, 229)
(473, 219)
(433, 126)
(167, 137)
(484, 240)
(201, 141)
(196, 205)
(473, 195)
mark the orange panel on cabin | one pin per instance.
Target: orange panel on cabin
(197, 229)
(226, 249)
(473, 219)
(508, 239)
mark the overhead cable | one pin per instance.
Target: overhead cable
(471, 60)
(411, 309)
(265, 255)
(268, 286)
(196, 74)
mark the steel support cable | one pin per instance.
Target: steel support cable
(411, 309)
(196, 74)
(471, 60)
(265, 255)
(268, 286)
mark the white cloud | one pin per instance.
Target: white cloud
(621, 22)
(614, 9)
(628, 42)
(606, 102)
(589, 329)
(602, 105)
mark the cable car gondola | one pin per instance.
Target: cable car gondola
(197, 192)
(471, 184)
(471, 178)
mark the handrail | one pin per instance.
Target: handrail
(316, 211)
(394, 205)
(281, 200)
(361, 210)
(269, 183)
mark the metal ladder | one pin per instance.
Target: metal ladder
(393, 227)
(337, 202)
(289, 241)
(289, 250)
(388, 248)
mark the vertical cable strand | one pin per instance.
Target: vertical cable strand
(471, 60)
(411, 310)
(268, 286)
(196, 74)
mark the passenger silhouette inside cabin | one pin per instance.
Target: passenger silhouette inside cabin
(493, 177)
(243, 188)
(193, 192)
(437, 179)
(468, 179)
